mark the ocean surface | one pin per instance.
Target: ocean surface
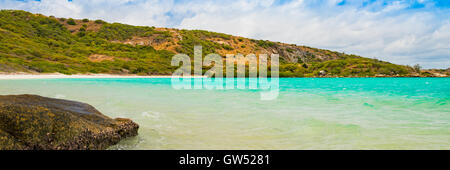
(309, 113)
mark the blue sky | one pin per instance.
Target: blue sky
(399, 31)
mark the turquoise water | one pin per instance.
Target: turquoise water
(309, 113)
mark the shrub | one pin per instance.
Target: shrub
(71, 21)
(227, 47)
(265, 44)
(85, 20)
(99, 21)
(118, 31)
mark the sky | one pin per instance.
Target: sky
(399, 31)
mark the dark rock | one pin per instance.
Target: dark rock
(35, 122)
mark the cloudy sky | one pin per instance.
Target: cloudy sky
(399, 31)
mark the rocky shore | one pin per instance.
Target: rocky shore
(30, 122)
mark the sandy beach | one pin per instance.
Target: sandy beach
(6, 76)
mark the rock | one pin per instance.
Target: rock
(322, 73)
(222, 43)
(381, 75)
(35, 122)
(125, 71)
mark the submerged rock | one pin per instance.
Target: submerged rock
(35, 122)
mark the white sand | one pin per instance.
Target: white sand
(57, 76)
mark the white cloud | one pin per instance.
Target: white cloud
(388, 30)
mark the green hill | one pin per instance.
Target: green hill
(40, 44)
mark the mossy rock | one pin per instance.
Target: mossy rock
(35, 122)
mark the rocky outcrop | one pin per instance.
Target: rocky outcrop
(322, 73)
(35, 122)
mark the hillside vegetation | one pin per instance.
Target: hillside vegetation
(39, 44)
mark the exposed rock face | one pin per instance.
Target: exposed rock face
(35, 122)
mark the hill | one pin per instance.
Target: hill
(40, 44)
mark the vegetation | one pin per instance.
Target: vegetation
(349, 67)
(417, 68)
(199, 37)
(41, 44)
(36, 43)
(118, 31)
(99, 21)
(71, 21)
(264, 44)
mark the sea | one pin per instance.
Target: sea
(306, 113)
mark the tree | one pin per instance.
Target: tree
(417, 68)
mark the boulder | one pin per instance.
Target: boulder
(322, 73)
(31, 122)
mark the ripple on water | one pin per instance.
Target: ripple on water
(360, 113)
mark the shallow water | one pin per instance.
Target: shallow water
(309, 113)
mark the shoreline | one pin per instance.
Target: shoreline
(21, 76)
(18, 76)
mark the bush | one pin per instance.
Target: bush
(71, 21)
(99, 21)
(227, 47)
(85, 20)
(118, 31)
(265, 44)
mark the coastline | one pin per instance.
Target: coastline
(18, 76)
(22, 75)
